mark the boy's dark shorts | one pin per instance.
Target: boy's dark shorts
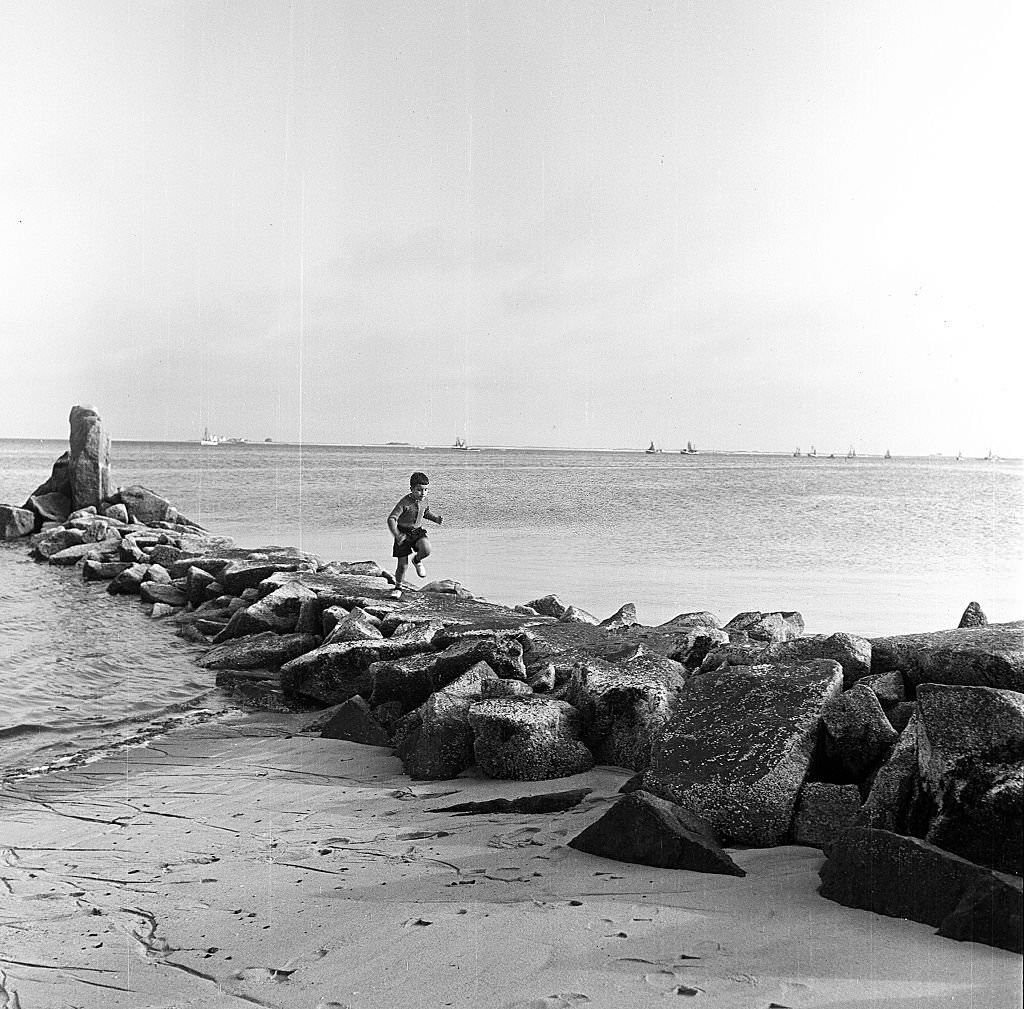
(408, 545)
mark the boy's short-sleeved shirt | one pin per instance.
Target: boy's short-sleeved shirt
(410, 513)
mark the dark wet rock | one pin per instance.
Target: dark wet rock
(988, 912)
(130, 550)
(973, 616)
(900, 713)
(89, 459)
(353, 720)
(643, 829)
(852, 652)
(331, 674)
(144, 505)
(237, 576)
(739, 746)
(625, 706)
(548, 606)
(542, 678)
(857, 734)
(16, 522)
(971, 764)
(982, 813)
(624, 616)
(197, 581)
(59, 480)
(779, 625)
(577, 615)
(129, 581)
(408, 681)
(895, 787)
(98, 571)
(52, 507)
(160, 592)
(436, 742)
(528, 738)
(905, 877)
(545, 802)
(989, 656)
(823, 810)
(258, 651)
(254, 689)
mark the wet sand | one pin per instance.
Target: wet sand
(244, 863)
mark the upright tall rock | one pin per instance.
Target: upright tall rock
(89, 465)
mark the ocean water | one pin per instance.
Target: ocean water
(864, 545)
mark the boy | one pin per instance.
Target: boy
(410, 536)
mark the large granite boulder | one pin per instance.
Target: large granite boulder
(625, 706)
(407, 681)
(331, 674)
(503, 654)
(89, 460)
(353, 720)
(59, 480)
(436, 742)
(548, 606)
(986, 656)
(780, 625)
(971, 766)
(823, 811)
(738, 748)
(624, 616)
(905, 877)
(267, 650)
(895, 788)
(973, 616)
(528, 738)
(15, 522)
(356, 625)
(278, 611)
(52, 507)
(52, 541)
(857, 734)
(159, 592)
(645, 830)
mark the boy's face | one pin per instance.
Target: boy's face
(419, 491)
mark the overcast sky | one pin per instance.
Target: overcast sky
(593, 224)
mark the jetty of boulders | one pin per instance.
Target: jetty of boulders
(901, 758)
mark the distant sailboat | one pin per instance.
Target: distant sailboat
(887, 455)
(813, 453)
(852, 454)
(797, 453)
(959, 455)
(460, 444)
(208, 439)
(651, 450)
(689, 450)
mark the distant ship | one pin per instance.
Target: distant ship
(813, 453)
(887, 455)
(460, 444)
(651, 450)
(689, 450)
(852, 454)
(209, 439)
(797, 453)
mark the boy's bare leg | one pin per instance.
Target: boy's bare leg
(400, 569)
(422, 553)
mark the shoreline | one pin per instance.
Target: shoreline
(248, 863)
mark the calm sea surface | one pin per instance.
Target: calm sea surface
(869, 546)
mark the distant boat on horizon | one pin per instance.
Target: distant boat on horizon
(797, 453)
(887, 455)
(460, 444)
(813, 453)
(651, 450)
(690, 449)
(852, 454)
(208, 439)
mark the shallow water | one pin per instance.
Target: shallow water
(869, 546)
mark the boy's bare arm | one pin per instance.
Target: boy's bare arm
(431, 517)
(393, 519)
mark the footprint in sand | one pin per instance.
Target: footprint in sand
(563, 1000)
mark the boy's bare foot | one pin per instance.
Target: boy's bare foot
(395, 594)
(420, 569)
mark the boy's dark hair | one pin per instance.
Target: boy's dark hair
(418, 479)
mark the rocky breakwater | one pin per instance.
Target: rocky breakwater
(902, 758)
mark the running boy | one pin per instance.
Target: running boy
(405, 523)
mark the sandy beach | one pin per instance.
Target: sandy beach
(244, 862)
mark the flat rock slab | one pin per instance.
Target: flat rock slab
(737, 750)
(546, 802)
(904, 877)
(989, 656)
(645, 830)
